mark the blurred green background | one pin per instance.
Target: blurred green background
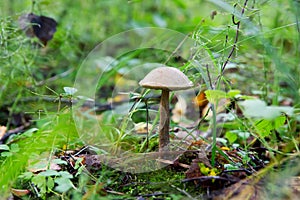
(269, 40)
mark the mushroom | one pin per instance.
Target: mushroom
(166, 79)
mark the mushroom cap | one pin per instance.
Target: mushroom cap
(166, 78)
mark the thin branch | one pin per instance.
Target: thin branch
(238, 24)
(182, 191)
(14, 131)
(209, 77)
(177, 48)
(54, 78)
(203, 118)
(233, 18)
(207, 178)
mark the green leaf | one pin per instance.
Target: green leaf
(50, 183)
(223, 141)
(279, 121)
(49, 172)
(215, 95)
(40, 182)
(6, 154)
(243, 135)
(264, 127)
(203, 169)
(256, 108)
(230, 167)
(59, 161)
(233, 93)
(14, 148)
(231, 136)
(64, 184)
(79, 170)
(4, 147)
(30, 131)
(65, 174)
(70, 91)
(78, 163)
(26, 175)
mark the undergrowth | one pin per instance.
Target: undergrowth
(253, 52)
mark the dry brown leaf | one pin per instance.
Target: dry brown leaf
(241, 190)
(195, 135)
(179, 110)
(200, 100)
(19, 192)
(266, 184)
(2, 131)
(43, 166)
(41, 27)
(141, 128)
(295, 185)
(97, 188)
(194, 170)
(222, 104)
(202, 155)
(169, 162)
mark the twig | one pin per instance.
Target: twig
(14, 131)
(203, 118)
(177, 48)
(114, 192)
(209, 78)
(206, 178)
(154, 194)
(182, 191)
(238, 24)
(81, 150)
(238, 170)
(54, 78)
(170, 162)
(91, 104)
(233, 19)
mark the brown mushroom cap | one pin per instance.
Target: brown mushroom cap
(166, 78)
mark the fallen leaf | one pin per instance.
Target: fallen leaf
(188, 136)
(194, 170)
(221, 107)
(141, 128)
(179, 110)
(2, 131)
(267, 183)
(201, 100)
(97, 188)
(42, 165)
(41, 27)
(19, 192)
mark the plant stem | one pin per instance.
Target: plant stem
(238, 24)
(214, 134)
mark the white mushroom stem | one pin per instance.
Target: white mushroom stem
(164, 123)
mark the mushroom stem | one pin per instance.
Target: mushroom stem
(164, 121)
